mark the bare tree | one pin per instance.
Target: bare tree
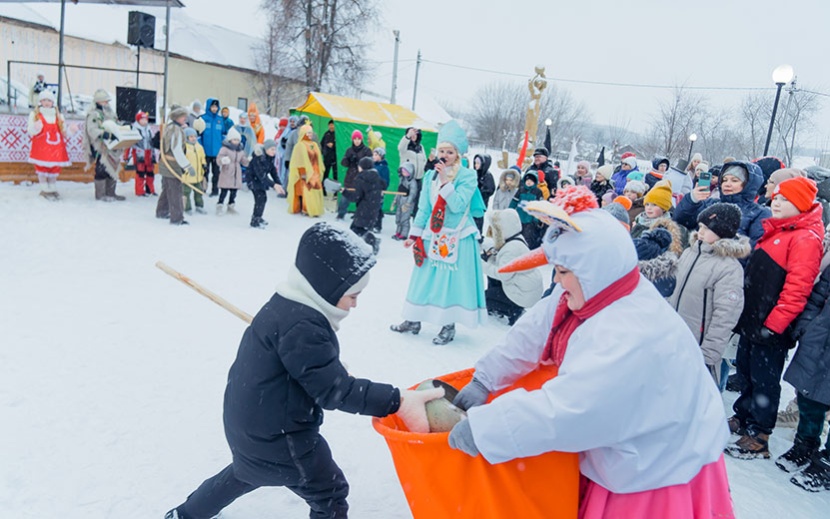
(272, 84)
(498, 110)
(751, 126)
(322, 41)
(675, 120)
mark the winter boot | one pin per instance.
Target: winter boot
(816, 477)
(200, 210)
(100, 189)
(750, 446)
(231, 209)
(172, 514)
(446, 334)
(220, 209)
(798, 456)
(111, 183)
(735, 426)
(413, 327)
(735, 383)
(256, 223)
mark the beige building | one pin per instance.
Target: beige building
(189, 78)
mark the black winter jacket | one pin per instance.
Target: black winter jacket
(368, 187)
(329, 153)
(350, 160)
(486, 184)
(262, 174)
(809, 371)
(287, 370)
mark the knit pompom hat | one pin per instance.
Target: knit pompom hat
(722, 219)
(659, 195)
(635, 186)
(800, 191)
(357, 134)
(233, 135)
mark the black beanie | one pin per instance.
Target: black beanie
(722, 218)
(366, 163)
(332, 260)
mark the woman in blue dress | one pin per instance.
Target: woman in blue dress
(447, 283)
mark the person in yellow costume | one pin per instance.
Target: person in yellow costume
(305, 185)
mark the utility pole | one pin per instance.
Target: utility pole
(137, 64)
(165, 104)
(417, 69)
(310, 83)
(397, 34)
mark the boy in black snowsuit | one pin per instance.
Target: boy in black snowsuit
(262, 176)
(368, 196)
(528, 191)
(287, 370)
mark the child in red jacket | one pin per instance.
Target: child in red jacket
(777, 282)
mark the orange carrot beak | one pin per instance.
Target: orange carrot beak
(531, 260)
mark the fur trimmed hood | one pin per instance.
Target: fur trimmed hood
(677, 238)
(661, 267)
(504, 225)
(737, 247)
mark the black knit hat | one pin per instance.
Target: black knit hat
(366, 163)
(332, 260)
(722, 218)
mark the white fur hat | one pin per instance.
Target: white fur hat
(101, 95)
(46, 94)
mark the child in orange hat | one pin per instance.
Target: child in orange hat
(777, 282)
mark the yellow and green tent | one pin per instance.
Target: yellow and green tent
(351, 114)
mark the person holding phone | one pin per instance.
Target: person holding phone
(739, 183)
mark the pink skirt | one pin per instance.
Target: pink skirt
(705, 496)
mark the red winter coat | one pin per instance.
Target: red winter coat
(780, 275)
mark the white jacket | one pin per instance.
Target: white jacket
(632, 397)
(523, 288)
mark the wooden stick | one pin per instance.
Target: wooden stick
(205, 292)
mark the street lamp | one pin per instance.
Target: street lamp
(548, 122)
(782, 75)
(692, 139)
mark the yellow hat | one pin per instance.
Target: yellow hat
(659, 195)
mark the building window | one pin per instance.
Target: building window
(242, 103)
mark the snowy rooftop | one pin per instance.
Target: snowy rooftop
(188, 37)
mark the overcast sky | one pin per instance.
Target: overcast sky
(712, 43)
(721, 43)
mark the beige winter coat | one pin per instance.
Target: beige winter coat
(709, 294)
(230, 175)
(523, 288)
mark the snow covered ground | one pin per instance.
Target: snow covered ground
(112, 373)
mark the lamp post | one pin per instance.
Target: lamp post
(782, 75)
(692, 139)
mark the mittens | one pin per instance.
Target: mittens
(473, 394)
(225, 161)
(419, 251)
(461, 438)
(439, 211)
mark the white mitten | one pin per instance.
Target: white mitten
(413, 409)
(225, 161)
(110, 126)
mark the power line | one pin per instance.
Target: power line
(588, 82)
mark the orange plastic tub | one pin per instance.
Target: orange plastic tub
(441, 482)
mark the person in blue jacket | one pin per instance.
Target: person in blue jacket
(739, 184)
(287, 370)
(211, 140)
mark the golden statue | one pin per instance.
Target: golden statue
(536, 85)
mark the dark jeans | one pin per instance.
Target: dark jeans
(260, 199)
(224, 192)
(171, 201)
(312, 475)
(811, 417)
(761, 366)
(212, 174)
(331, 167)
